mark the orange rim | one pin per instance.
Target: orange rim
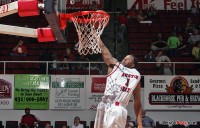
(86, 20)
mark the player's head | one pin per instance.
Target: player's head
(130, 61)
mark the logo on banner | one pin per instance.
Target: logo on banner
(98, 84)
(143, 4)
(179, 85)
(179, 92)
(5, 89)
(66, 88)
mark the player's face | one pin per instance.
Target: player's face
(128, 61)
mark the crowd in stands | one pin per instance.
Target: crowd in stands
(31, 121)
(182, 41)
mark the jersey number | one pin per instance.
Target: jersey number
(125, 88)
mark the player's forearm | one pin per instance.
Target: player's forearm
(107, 57)
(138, 113)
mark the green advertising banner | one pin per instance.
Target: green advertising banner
(31, 91)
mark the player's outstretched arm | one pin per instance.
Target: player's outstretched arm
(138, 105)
(107, 57)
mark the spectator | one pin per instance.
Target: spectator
(77, 123)
(183, 44)
(161, 57)
(159, 43)
(158, 37)
(194, 37)
(64, 126)
(189, 26)
(149, 57)
(173, 43)
(47, 125)
(122, 21)
(177, 29)
(81, 66)
(28, 119)
(55, 65)
(67, 56)
(196, 53)
(147, 121)
(151, 12)
(194, 10)
(94, 6)
(20, 49)
(129, 124)
(140, 16)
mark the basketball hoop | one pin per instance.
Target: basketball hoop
(89, 26)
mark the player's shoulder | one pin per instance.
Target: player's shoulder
(136, 72)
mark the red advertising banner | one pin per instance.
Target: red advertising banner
(98, 84)
(94, 90)
(5, 89)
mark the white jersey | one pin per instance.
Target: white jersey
(120, 84)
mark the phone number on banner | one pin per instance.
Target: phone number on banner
(31, 99)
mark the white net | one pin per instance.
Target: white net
(89, 26)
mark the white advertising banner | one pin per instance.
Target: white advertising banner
(172, 92)
(67, 92)
(164, 4)
(6, 91)
(95, 86)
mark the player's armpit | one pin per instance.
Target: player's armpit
(107, 57)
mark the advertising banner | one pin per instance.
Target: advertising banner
(31, 91)
(172, 92)
(67, 92)
(164, 4)
(6, 91)
(82, 4)
(94, 90)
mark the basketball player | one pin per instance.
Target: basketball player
(122, 81)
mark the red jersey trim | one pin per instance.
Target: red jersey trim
(113, 71)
